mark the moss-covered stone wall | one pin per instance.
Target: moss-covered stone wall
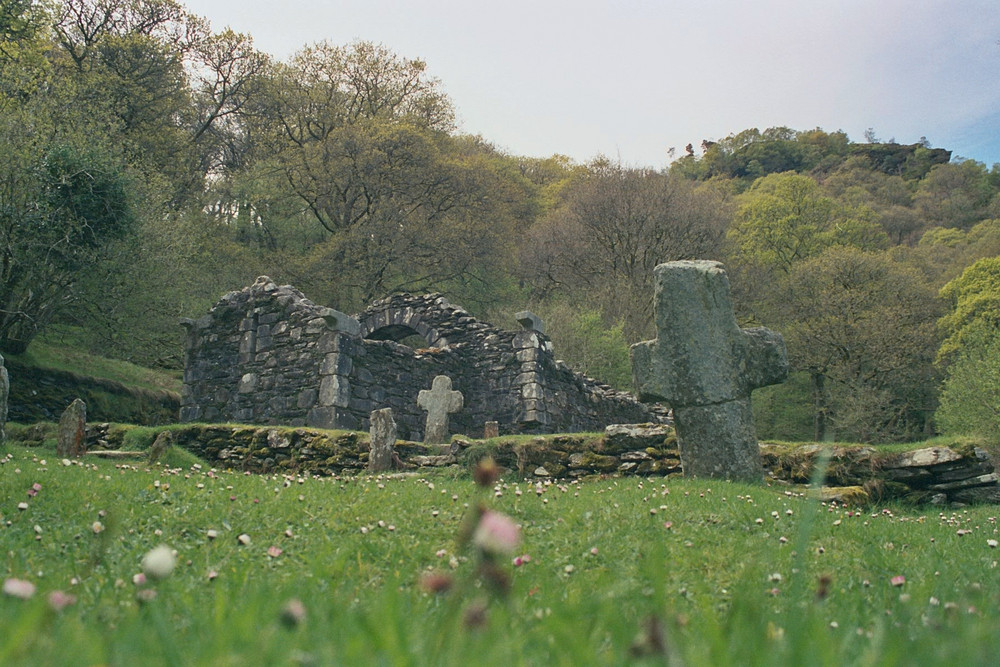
(959, 472)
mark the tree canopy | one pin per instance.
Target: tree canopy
(149, 163)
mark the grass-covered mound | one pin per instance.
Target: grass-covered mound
(44, 381)
(333, 571)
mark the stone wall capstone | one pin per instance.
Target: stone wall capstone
(267, 355)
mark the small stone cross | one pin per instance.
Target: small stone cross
(704, 366)
(439, 401)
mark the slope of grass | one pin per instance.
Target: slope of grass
(74, 360)
(686, 572)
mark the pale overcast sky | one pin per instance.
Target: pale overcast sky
(632, 78)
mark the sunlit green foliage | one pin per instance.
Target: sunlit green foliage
(974, 298)
(785, 218)
(970, 398)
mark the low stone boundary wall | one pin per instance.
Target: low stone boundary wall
(958, 474)
(961, 473)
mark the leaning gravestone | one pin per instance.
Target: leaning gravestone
(704, 366)
(439, 401)
(382, 435)
(164, 440)
(4, 393)
(71, 439)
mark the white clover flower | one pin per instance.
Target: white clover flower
(159, 562)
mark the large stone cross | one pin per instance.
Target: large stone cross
(704, 366)
(439, 401)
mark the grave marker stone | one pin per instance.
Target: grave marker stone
(382, 434)
(439, 401)
(491, 430)
(164, 440)
(71, 439)
(704, 366)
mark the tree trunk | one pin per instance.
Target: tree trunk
(819, 406)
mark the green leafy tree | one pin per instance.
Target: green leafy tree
(582, 337)
(752, 154)
(970, 397)
(356, 134)
(974, 300)
(614, 226)
(854, 183)
(58, 213)
(785, 218)
(863, 328)
(957, 194)
(353, 164)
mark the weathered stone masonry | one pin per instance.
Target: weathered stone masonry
(268, 355)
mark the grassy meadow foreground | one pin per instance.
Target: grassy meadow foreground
(290, 570)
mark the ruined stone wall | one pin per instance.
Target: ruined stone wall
(268, 355)
(960, 473)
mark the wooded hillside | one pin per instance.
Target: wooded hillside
(149, 164)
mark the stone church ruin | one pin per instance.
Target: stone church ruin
(267, 355)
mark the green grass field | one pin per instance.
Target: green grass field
(619, 571)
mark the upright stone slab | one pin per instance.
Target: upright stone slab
(4, 393)
(439, 401)
(71, 439)
(491, 430)
(704, 366)
(164, 440)
(382, 434)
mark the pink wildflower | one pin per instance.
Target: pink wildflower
(898, 580)
(496, 533)
(59, 600)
